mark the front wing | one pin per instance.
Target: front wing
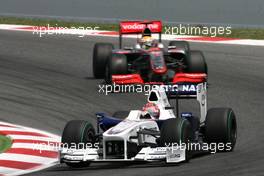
(178, 78)
(168, 154)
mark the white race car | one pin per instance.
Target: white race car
(155, 133)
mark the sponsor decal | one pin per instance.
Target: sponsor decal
(138, 26)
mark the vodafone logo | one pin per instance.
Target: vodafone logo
(133, 26)
(138, 27)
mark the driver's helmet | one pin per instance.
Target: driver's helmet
(146, 40)
(151, 111)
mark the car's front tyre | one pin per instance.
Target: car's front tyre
(79, 134)
(196, 62)
(176, 131)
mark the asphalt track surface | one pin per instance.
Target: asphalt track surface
(45, 82)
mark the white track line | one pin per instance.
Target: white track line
(110, 34)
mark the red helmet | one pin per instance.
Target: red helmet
(152, 110)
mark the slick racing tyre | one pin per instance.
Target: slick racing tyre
(196, 63)
(78, 133)
(221, 128)
(101, 53)
(181, 44)
(176, 131)
(117, 65)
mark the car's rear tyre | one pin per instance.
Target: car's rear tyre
(221, 128)
(196, 63)
(117, 65)
(176, 131)
(78, 133)
(121, 114)
(101, 53)
(181, 44)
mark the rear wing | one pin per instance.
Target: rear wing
(179, 91)
(185, 90)
(191, 91)
(137, 27)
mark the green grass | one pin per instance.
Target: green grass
(247, 33)
(243, 33)
(5, 143)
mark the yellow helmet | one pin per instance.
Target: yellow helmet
(146, 42)
(146, 39)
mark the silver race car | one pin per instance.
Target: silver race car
(158, 132)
